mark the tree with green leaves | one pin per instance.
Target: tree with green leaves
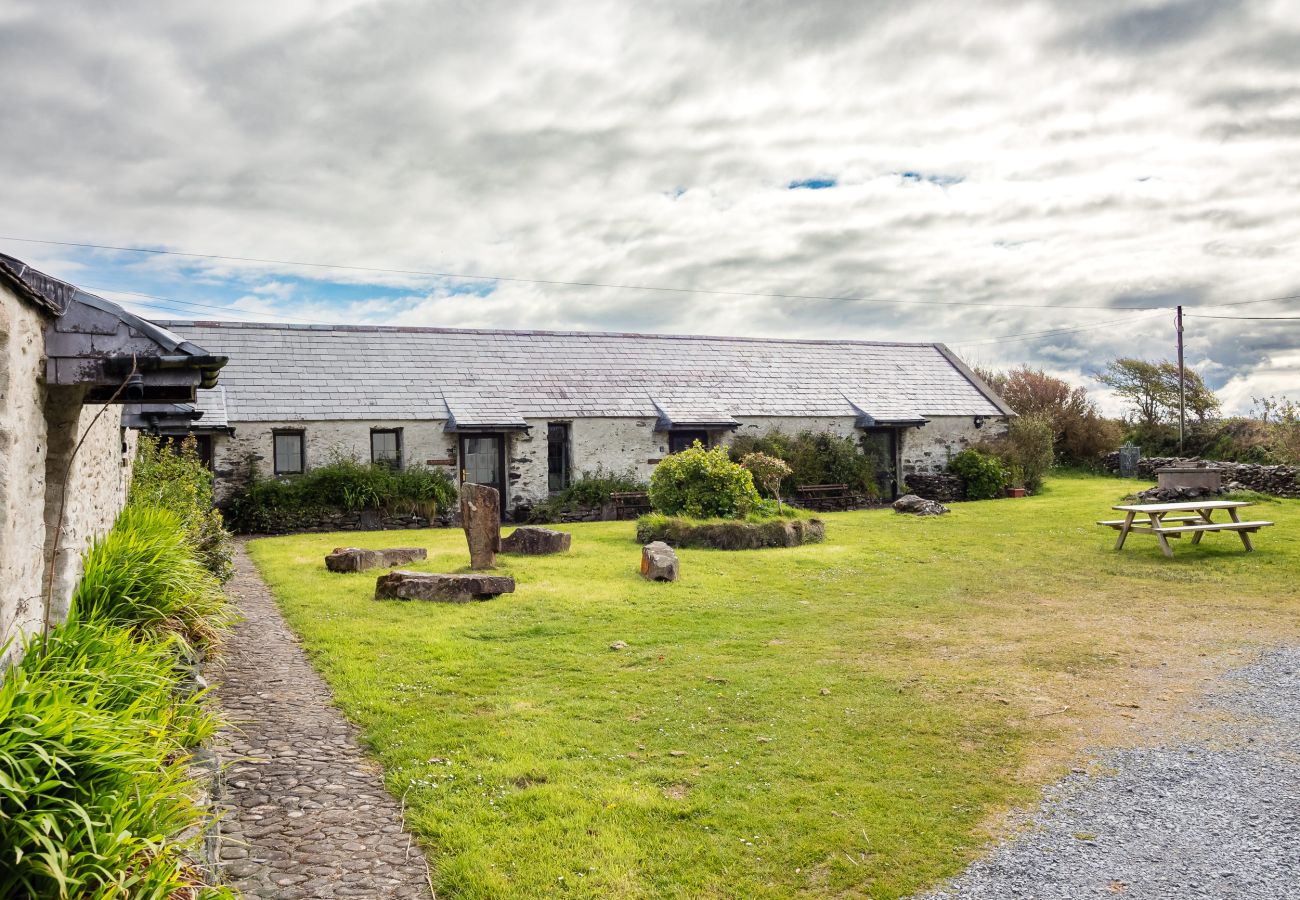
(1151, 390)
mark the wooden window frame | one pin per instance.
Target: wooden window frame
(301, 435)
(567, 456)
(396, 432)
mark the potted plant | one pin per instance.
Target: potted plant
(1016, 481)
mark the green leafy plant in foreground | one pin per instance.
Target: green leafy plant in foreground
(143, 575)
(94, 787)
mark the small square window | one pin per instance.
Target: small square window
(386, 447)
(289, 455)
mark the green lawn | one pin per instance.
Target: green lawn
(842, 719)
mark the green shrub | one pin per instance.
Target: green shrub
(143, 575)
(94, 789)
(344, 484)
(702, 484)
(1025, 451)
(588, 489)
(814, 457)
(768, 472)
(172, 476)
(983, 474)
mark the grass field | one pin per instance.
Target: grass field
(844, 719)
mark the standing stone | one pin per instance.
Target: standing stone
(532, 541)
(480, 516)
(459, 588)
(355, 559)
(658, 562)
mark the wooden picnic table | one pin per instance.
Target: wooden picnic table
(1163, 521)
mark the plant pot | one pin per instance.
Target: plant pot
(1016, 492)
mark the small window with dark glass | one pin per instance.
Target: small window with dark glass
(557, 456)
(386, 447)
(684, 439)
(289, 455)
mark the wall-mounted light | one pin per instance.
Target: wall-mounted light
(979, 421)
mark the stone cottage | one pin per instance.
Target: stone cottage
(526, 411)
(73, 369)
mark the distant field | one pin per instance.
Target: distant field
(842, 719)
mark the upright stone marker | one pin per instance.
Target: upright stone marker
(480, 514)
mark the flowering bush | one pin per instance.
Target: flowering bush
(702, 484)
(768, 472)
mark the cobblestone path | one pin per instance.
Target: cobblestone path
(305, 814)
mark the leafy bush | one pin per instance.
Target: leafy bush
(94, 789)
(1025, 451)
(343, 484)
(983, 474)
(814, 457)
(172, 476)
(143, 575)
(768, 472)
(702, 484)
(588, 489)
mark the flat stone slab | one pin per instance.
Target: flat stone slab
(439, 588)
(533, 541)
(355, 559)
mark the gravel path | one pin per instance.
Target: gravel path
(1214, 817)
(305, 815)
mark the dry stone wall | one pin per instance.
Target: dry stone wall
(1279, 481)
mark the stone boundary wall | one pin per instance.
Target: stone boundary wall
(1279, 481)
(362, 520)
(941, 486)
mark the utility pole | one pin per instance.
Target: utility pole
(1182, 381)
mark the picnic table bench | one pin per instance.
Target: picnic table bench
(629, 504)
(825, 496)
(1163, 525)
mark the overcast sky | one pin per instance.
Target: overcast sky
(1054, 155)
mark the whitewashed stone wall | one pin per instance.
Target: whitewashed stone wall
(38, 429)
(22, 467)
(613, 444)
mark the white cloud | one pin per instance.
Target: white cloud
(1108, 153)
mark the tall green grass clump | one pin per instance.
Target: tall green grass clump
(143, 575)
(171, 476)
(95, 794)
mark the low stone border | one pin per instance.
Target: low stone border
(729, 535)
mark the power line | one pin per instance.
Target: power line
(1031, 335)
(1247, 318)
(561, 283)
(170, 301)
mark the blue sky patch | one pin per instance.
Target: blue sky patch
(812, 184)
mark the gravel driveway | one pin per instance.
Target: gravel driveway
(1217, 817)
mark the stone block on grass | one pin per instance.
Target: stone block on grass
(459, 588)
(355, 559)
(533, 541)
(659, 562)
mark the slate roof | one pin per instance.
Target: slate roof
(311, 373)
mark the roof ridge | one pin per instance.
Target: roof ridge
(525, 332)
